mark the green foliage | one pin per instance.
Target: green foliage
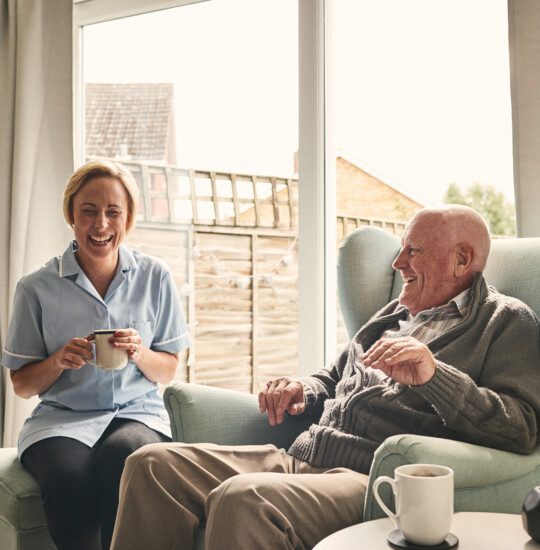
(499, 214)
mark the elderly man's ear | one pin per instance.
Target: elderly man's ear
(463, 260)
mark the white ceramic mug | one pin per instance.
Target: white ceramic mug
(106, 356)
(424, 497)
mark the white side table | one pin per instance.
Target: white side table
(475, 531)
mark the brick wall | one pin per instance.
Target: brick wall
(360, 194)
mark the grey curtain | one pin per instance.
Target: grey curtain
(36, 155)
(524, 45)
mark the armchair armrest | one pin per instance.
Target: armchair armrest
(485, 479)
(204, 414)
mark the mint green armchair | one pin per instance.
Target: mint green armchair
(485, 479)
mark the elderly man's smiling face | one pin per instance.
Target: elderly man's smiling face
(426, 262)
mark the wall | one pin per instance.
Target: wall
(360, 194)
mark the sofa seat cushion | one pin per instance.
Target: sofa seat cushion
(20, 498)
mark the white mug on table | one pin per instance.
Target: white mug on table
(424, 497)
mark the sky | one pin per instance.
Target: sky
(420, 88)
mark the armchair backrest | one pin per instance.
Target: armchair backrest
(367, 282)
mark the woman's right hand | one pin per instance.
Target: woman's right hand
(76, 353)
(35, 378)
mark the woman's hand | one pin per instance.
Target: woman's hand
(35, 378)
(157, 366)
(76, 353)
(129, 340)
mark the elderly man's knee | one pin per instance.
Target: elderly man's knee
(145, 458)
(236, 494)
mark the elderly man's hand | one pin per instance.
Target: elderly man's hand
(280, 395)
(405, 360)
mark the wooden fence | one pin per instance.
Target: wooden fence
(231, 243)
(172, 195)
(348, 224)
(239, 292)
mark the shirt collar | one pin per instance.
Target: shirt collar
(69, 266)
(460, 302)
(127, 259)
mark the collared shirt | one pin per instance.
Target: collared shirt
(430, 323)
(58, 302)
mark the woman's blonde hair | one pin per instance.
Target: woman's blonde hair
(102, 169)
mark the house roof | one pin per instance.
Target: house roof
(129, 121)
(383, 179)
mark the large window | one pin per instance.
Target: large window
(421, 111)
(201, 102)
(383, 106)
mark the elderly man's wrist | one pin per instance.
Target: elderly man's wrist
(309, 395)
(444, 386)
(428, 377)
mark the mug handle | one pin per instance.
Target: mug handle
(93, 361)
(387, 511)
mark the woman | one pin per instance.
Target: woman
(89, 419)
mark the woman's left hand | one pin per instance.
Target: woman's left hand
(157, 366)
(128, 339)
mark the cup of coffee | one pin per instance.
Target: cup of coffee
(424, 497)
(107, 357)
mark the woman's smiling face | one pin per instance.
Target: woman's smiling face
(100, 216)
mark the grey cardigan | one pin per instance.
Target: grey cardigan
(486, 387)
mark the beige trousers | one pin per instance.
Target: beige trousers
(251, 497)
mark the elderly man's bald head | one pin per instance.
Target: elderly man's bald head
(442, 250)
(459, 224)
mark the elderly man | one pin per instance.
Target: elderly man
(450, 358)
